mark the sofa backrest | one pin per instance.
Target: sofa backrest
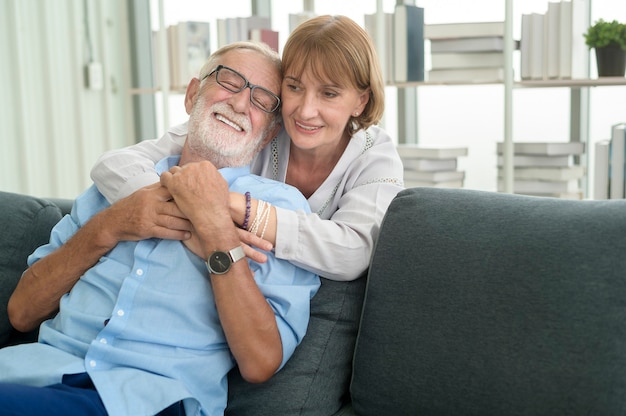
(494, 304)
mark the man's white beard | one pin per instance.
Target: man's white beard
(218, 143)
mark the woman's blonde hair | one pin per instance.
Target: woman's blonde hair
(336, 48)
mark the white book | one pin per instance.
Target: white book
(449, 184)
(232, 30)
(601, 170)
(430, 165)
(617, 149)
(546, 148)
(386, 54)
(537, 46)
(469, 75)
(549, 173)
(573, 52)
(408, 43)
(525, 47)
(222, 32)
(527, 186)
(477, 44)
(297, 18)
(441, 176)
(463, 29)
(537, 160)
(551, 41)
(452, 60)
(407, 151)
(193, 47)
(560, 195)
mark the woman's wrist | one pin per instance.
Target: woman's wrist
(237, 207)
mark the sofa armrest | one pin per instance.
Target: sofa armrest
(492, 304)
(25, 222)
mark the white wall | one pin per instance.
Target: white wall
(53, 128)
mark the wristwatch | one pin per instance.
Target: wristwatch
(219, 262)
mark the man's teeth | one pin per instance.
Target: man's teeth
(227, 121)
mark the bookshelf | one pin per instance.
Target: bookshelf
(579, 102)
(407, 98)
(578, 89)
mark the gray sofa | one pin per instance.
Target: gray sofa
(476, 303)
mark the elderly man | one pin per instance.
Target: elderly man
(167, 306)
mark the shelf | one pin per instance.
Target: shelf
(540, 83)
(139, 91)
(572, 83)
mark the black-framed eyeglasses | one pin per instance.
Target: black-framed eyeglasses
(233, 81)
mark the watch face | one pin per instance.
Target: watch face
(219, 262)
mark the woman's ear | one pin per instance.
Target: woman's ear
(364, 98)
(192, 94)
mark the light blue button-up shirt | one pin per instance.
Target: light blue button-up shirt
(143, 323)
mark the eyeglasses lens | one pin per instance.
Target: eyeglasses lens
(259, 96)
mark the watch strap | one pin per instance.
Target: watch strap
(237, 254)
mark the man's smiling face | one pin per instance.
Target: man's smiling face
(225, 127)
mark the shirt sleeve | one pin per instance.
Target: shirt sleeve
(340, 249)
(120, 172)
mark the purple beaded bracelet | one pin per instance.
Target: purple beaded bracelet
(246, 218)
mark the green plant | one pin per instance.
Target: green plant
(604, 33)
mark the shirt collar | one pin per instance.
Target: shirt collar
(230, 174)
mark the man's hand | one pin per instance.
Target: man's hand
(201, 194)
(147, 213)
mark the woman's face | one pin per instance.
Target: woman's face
(315, 112)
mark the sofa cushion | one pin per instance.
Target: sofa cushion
(494, 304)
(25, 222)
(315, 380)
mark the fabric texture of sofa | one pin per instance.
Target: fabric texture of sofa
(475, 303)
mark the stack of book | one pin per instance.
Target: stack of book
(466, 52)
(552, 44)
(545, 169)
(609, 167)
(430, 166)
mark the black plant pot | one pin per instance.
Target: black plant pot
(611, 61)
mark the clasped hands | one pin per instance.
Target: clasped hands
(169, 208)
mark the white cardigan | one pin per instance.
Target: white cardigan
(355, 196)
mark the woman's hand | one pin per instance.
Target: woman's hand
(249, 240)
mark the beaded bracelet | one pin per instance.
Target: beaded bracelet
(246, 218)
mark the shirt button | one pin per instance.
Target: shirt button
(92, 363)
(103, 341)
(139, 272)
(120, 312)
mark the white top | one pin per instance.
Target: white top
(355, 196)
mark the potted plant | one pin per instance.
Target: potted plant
(609, 41)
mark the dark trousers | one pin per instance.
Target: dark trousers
(75, 396)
